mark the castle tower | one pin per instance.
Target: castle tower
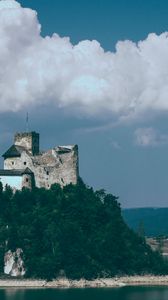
(28, 140)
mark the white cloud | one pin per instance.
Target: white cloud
(37, 71)
(146, 137)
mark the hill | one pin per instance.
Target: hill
(74, 231)
(154, 220)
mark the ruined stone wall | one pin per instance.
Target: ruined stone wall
(53, 167)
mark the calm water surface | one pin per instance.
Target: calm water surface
(126, 293)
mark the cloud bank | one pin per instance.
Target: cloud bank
(34, 70)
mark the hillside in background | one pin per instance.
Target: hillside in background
(153, 221)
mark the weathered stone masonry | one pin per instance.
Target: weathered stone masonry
(58, 165)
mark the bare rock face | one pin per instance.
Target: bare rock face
(13, 263)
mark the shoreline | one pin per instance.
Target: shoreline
(147, 280)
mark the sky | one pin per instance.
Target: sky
(92, 73)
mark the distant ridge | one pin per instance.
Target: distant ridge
(153, 219)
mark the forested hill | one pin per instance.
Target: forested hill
(153, 221)
(72, 231)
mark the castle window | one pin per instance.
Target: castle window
(12, 162)
(27, 180)
(25, 163)
(47, 173)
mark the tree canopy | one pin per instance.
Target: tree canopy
(74, 231)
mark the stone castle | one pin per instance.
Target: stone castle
(26, 166)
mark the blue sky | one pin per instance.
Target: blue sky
(124, 153)
(104, 20)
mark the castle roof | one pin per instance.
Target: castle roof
(17, 172)
(14, 151)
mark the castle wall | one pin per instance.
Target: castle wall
(24, 141)
(28, 140)
(53, 166)
(28, 181)
(20, 163)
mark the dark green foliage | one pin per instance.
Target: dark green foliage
(73, 231)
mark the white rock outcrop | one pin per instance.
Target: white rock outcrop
(13, 263)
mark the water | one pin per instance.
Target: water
(125, 293)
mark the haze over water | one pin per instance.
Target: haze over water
(125, 293)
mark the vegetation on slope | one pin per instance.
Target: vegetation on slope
(73, 231)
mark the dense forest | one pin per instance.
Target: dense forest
(74, 231)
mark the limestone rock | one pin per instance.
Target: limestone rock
(13, 263)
